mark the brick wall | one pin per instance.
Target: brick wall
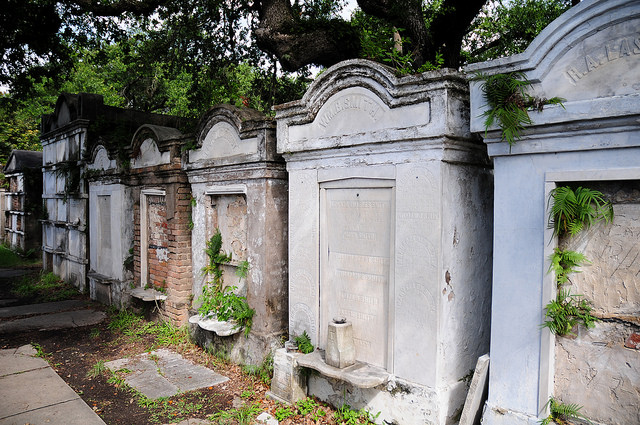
(169, 242)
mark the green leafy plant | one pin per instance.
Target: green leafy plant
(40, 351)
(318, 414)
(304, 343)
(560, 413)
(222, 301)
(509, 103)
(264, 371)
(346, 415)
(283, 413)
(306, 405)
(573, 210)
(243, 415)
(564, 262)
(98, 369)
(566, 311)
(44, 287)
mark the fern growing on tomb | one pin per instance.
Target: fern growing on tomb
(574, 210)
(509, 104)
(222, 301)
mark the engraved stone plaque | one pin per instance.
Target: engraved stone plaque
(356, 235)
(104, 233)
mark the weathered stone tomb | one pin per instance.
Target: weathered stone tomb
(88, 228)
(239, 187)
(161, 214)
(22, 201)
(591, 57)
(389, 228)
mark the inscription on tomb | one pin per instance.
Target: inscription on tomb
(355, 266)
(607, 52)
(357, 102)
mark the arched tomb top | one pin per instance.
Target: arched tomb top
(589, 56)
(360, 101)
(100, 159)
(230, 134)
(152, 145)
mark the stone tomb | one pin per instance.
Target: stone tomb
(591, 57)
(239, 186)
(161, 210)
(390, 228)
(111, 230)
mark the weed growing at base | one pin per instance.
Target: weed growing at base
(45, 287)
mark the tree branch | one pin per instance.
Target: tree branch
(100, 8)
(296, 42)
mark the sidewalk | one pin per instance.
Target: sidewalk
(32, 393)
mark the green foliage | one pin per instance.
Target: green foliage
(304, 343)
(222, 301)
(174, 409)
(573, 210)
(506, 28)
(8, 257)
(135, 327)
(560, 413)
(564, 262)
(509, 103)
(283, 413)
(45, 287)
(566, 311)
(243, 415)
(98, 369)
(264, 371)
(40, 351)
(306, 405)
(348, 416)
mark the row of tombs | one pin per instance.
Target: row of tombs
(371, 201)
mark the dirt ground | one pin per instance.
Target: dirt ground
(75, 353)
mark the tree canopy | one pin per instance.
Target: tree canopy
(182, 56)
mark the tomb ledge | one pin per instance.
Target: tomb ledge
(220, 328)
(361, 375)
(148, 294)
(104, 280)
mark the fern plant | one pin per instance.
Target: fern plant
(564, 262)
(560, 413)
(219, 300)
(304, 343)
(566, 311)
(509, 103)
(573, 210)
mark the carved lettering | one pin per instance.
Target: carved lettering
(591, 63)
(608, 52)
(354, 101)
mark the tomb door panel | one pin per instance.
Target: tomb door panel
(228, 214)
(104, 257)
(157, 241)
(355, 277)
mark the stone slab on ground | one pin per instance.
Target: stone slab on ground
(44, 308)
(163, 373)
(31, 392)
(68, 319)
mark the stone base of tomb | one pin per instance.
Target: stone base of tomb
(108, 291)
(361, 386)
(398, 401)
(241, 349)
